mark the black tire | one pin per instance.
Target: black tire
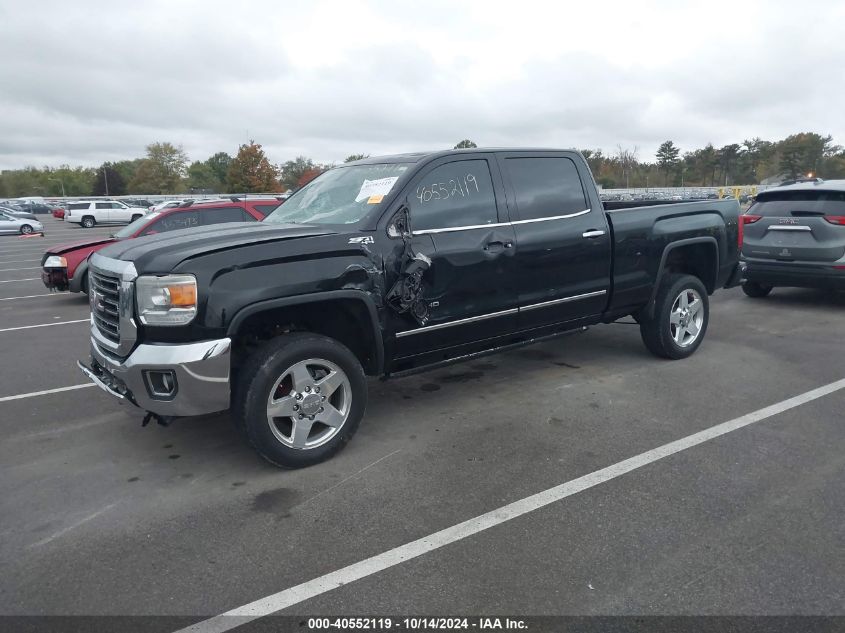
(656, 331)
(259, 375)
(26, 229)
(88, 222)
(755, 290)
(83, 286)
(135, 217)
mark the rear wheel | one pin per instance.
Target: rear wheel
(753, 289)
(681, 314)
(88, 222)
(299, 399)
(26, 229)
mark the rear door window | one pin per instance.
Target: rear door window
(173, 221)
(77, 206)
(102, 205)
(220, 215)
(454, 195)
(545, 187)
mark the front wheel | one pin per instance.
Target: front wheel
(26, 229)
(753, 289)
(299, 399)
(681, 314)
(88, 222)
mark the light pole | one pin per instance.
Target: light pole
(59, 180)
(106, 178)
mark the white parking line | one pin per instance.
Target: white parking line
(19, 261)
(21, 396)
(27, 327)
(307, 590)
(49, 294)
(9, 281)
(8, 270)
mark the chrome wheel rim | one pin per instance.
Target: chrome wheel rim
(686, 318)
(309, 404)
(26, 229)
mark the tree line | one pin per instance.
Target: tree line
(166, 169)
(748, 163)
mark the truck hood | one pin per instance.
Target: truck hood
(66, 248)
(162, 253)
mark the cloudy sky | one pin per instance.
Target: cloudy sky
(86, 82)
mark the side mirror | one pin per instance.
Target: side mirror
(400, 225)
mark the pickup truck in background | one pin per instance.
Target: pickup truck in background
(388, 266)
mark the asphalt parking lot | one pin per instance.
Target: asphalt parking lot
(101, 516)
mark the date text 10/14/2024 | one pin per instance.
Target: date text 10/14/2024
(416, 624)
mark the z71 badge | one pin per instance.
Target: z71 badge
(366, 239)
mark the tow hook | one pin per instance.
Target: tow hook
(162, 420)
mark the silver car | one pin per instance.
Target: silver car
(17, 214)
(21, 226)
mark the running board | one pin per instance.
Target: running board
(486, 352)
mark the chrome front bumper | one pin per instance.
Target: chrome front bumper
(201, 372)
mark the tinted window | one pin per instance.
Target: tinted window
(799, 203)
(174, 221)
(102, 205)
(454, 195)
(77, 206)
(545, 187)
(224, 214)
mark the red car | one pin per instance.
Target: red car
(65, 267)
(59, 213)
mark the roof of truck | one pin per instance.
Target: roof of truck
(414, 157)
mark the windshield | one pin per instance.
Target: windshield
(343, 195)
(132, 227)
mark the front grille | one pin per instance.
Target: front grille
(105, 304)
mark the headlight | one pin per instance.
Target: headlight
(54, 261)
(167, 300)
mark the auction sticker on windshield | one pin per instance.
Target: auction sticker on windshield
(375, 188)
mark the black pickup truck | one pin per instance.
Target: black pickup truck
(384, 267)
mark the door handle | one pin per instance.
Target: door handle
(497, 245)
(592, 233)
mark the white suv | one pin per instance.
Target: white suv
(89, 213)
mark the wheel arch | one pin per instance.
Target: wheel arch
(75, 282)
(698, 256)
(348, 316)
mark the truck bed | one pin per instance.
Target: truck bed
(641, 234)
